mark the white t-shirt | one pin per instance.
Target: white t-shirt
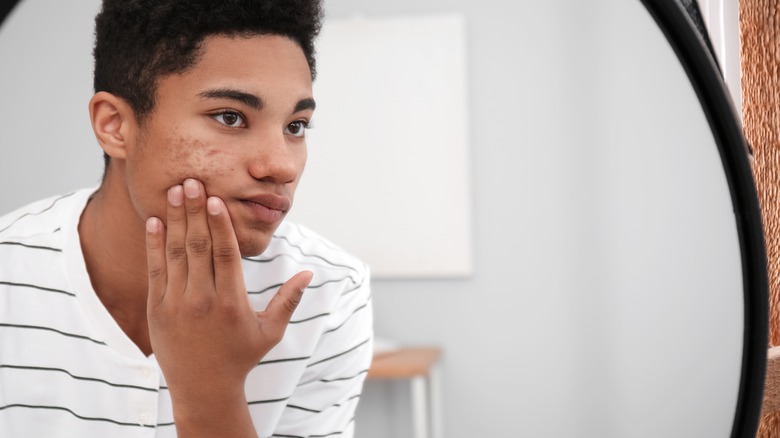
(68, 370)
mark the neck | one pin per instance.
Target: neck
(113, 242)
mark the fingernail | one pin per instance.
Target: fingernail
(175, 196)
(214, 206)
(310, 276)
(152, 225)
(190, 188)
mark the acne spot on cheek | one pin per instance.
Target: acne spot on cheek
(197, 159)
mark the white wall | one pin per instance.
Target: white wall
(606, 295)
(45, 85)
(411, 183)
(605, 299)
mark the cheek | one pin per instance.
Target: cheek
(194, 158)
(157, 166)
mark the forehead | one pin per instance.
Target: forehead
(271, 66)
(264, 52)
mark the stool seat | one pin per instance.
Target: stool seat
(404, 363)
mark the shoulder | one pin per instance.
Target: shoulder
(341, 281)
(33, 255)
(39, 219)
(305, 248)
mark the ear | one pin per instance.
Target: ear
(113, 122)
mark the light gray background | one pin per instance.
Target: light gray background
(606, 295)
(406, 188)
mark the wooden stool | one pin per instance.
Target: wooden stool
(419, 365)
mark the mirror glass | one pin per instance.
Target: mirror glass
(605, 298)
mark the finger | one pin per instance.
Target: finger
(176, 231)
(155, 260)
(198, 241)
(286, 300)
(228, 275)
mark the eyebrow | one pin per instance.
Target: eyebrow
(305, 104)
(251, 100)
(231, 94)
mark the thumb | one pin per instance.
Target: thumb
(284, 303)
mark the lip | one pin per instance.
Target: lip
(267, 207)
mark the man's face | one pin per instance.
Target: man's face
(235, 121)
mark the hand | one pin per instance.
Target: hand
(203, 331)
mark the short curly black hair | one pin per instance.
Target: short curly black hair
(139, 41)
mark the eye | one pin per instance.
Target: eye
(297, 128)
(232, 119)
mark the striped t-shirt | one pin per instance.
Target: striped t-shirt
(68, 370)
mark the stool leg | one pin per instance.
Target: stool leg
(419, 407)
(435, 398)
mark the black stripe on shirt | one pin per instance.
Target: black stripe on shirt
(340, 354)
(301, 408)
(315, 436)
(307, 436)
(298, 321)
(81, 417)
(326, 435)
(349, 399)
(31, 246)
(91, 379)
(255, 260)
(291, 359)
(36, 327)
(349, 317)
(277, 285)
(47, 289)
(314, 411)
(339, 379)
(273, 286)
(276, 435)
(313, 255)
(338, 280)
(260, 402)
(298, 261)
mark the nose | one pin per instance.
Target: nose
(275, 159)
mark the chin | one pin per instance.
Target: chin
(253, 247)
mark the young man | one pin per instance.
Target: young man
(170, 300)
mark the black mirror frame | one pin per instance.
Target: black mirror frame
(5, 9)
(703, 72)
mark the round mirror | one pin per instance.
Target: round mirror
(616, 278)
